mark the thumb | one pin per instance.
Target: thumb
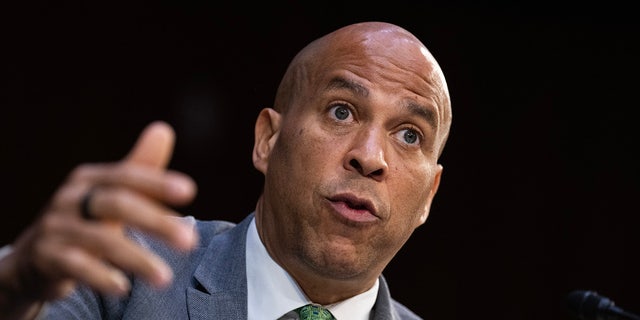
(154, 146)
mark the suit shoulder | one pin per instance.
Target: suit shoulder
(209, 228)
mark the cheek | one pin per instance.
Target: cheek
(301, 158)
(313, 151)
(409, 196)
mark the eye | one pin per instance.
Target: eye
(409, 136)
(340, 112)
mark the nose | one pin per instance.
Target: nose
(367, 155)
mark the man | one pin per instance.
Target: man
(349, 153)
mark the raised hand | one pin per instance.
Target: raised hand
(80, 235)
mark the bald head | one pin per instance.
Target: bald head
(366, 45)
(350, 156)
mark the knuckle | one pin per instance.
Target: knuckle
(65, 197)
(81, 171)
(128, 172)
(50, 224)
(115, 199)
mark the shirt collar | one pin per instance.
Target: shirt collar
(273, 292)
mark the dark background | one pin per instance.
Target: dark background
(539, 193)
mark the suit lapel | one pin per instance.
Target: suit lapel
(383, 309)
(220, 280)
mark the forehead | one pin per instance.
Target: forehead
(390, 58)
(399, 66)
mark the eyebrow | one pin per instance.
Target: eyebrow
(342, 83)
(426, 113)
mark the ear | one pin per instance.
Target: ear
(432, 194)
(266, 133)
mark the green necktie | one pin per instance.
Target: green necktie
(314, 312)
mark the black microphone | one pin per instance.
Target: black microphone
(588, 305)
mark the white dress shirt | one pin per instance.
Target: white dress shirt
(273, 292)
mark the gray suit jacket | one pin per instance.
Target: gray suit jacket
(209, 283)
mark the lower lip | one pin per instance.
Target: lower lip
(351, 214)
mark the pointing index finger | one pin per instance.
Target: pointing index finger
(154, 147)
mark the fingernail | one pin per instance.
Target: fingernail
(121, 281)
(164, 274)
(183, 234)
(188, 237)
(180, 186)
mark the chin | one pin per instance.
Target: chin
(337, 262)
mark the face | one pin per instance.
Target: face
(351, 165)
